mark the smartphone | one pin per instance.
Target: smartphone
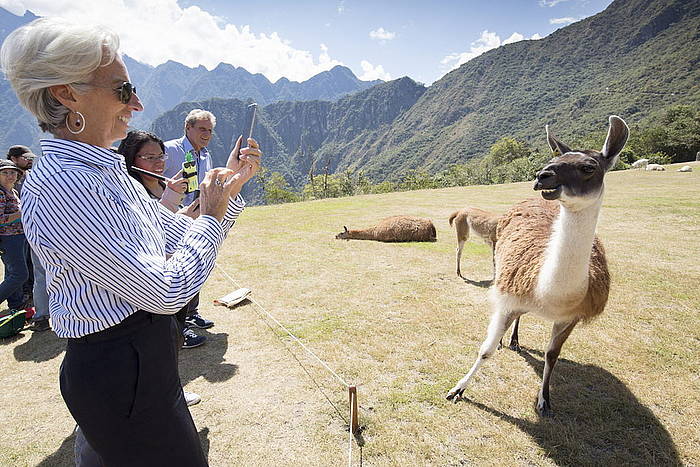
(252, 108)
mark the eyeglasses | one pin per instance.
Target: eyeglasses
(126, 90)
(26, 158)
(153, 157)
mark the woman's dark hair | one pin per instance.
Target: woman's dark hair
(132, 144)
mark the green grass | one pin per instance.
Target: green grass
(395, 320)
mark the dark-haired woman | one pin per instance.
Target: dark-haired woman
(146, 151)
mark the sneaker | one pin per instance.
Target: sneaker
(196, 321)
(191, 398)
(192, 339)
(40, 325)
(29, 312)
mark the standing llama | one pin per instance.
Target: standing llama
(394, 229)
(483, 224)
(548, 258)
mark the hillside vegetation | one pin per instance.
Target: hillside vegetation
(397, 321)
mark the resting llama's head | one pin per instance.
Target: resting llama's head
(344, 235)
(575, 177)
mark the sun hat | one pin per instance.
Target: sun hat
(8, 164)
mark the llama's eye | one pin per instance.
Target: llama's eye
(587, 169)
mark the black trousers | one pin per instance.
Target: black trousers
(122, 387)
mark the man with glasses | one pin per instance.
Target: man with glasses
(199, 126)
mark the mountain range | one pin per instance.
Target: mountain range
(162, 87)
(635, 59)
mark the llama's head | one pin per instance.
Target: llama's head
(575, 177)
(343, 235)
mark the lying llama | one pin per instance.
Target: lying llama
(483, 224)
(655, 167)
(394, 229)
(548, 258)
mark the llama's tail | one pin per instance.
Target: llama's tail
(453, 215)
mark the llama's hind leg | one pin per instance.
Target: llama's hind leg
(500, 321)
(460, 247)
(560, 332)
(514, 342)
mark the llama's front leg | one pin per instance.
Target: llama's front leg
(500, 321)
(560, 332)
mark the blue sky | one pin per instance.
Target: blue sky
(297, 39)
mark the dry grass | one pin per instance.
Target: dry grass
(396, 320)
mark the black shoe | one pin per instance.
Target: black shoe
(192, 339)
(39, 325)
(196, 321)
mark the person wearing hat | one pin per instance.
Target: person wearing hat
(36, 299)
(13, 244)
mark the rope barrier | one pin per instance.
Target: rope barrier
(295, 338)
(353, 425)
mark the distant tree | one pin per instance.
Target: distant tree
(507, 149)
(277, 190)
(417, 179)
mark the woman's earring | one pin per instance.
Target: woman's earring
(80, 123)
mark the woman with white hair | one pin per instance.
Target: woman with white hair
(104, 244)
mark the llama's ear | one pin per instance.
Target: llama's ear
(345, 227)
(558, 148)
(617, 137)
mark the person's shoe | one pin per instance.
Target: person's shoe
(39, 325)
(29, 313)
(192, 340)
(191, 398)
(196, 321)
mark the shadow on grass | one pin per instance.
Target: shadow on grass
(483, 284)
(41, 347)
(597, 420)
(65, 454)
(207, 360)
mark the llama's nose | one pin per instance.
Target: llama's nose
(543, 178)
(544, 174)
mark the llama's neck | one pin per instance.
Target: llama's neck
(365, 234)
(564, 272)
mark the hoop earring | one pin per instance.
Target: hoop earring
(80, 122)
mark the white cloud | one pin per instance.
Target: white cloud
(341, 7)
(535, 37)
(159, 30)
(566, 20)
(371, 72)
(515, 37)
(487, 41)
(382, 35)
(551, 3)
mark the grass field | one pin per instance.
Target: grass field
(397, 321)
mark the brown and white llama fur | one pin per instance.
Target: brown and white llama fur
(484, 225)
(549, 261)
(395, 229)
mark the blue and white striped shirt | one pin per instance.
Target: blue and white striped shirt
(104, 242)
